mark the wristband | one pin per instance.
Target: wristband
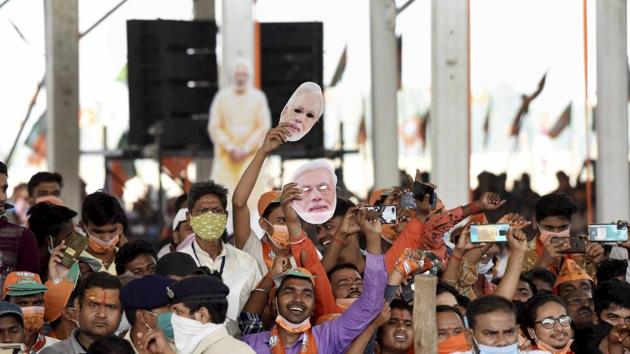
(456, 257)
(342, 243)
(474, 208)
(298, 241)
(261, 290)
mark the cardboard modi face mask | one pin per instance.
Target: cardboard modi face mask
(318, 183)
(303, 110)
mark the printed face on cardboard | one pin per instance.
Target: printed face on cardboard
(303, 110)
(318, 183)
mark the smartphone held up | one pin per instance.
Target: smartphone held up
(489, 233)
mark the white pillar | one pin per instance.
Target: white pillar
(384, 87)
(62, 93)
(450, 101)
(237, 35)
(612, 175)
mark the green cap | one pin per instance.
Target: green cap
(293, 272)
(23, 284)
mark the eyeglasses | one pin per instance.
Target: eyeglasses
(550, 322)
(577, 301)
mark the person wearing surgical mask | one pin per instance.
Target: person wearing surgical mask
(207, 203)
(26, 290)
(275, 241)
(199, 307)
(144, 301)
(553, 219)
(102, 219)
(493, 328)
(547, 324)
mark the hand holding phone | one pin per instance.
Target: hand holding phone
(422, 190)
(576, 244)
(489, 233)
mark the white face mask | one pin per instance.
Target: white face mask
(484, 268)
(486, 349)
(189, 333)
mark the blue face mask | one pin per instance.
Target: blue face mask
(510, 349)
(165, 325)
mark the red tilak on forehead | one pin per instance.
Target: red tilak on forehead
(102, 297)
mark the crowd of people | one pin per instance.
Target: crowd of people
(72, 281)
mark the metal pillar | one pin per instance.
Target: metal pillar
(62, 91)
(450, 101)
(203, 10)
(612, 175)
(384, 89)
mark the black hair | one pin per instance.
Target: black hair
(442, 288)
(524, 277)
(102, 208)
(130, 250)
(463, 301)
(342, 266)
(48, 219)
(180, 201)
(200, 189)
(528, 316)
(110, 344)
(217, 307)
(101, 280)
(611, 293)
(554, 205)
(343, 205)
(543, 275)
(447, 309)
(488, 304)
(269, 209)
(401, 305)
(610, 269)
(43, 177)
(3, 169)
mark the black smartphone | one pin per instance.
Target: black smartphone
(420, 189)
(387, 213)
(407, 291)
(577, 244)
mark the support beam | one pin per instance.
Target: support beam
(237, 35)
(384, 89)
(450, 101)
(62, 91)
(424, 324)
(612, 175)
(203, 10)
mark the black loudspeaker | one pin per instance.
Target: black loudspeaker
(292, 53)
(172, 77)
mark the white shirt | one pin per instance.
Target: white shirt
(240, 273)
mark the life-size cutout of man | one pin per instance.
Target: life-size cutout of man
(239, 120)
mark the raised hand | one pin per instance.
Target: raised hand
(463, 242)
(280, 265)
(490, 201)
(155, 342)
(515, 220)
(56, 269)
(275, 137)
(290, 193)
(517, 241)
(595, 253)
(369, 222)
(349, 224)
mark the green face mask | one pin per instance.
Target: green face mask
(209, 226)
(164, 324)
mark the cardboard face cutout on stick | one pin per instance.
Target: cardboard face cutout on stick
(318, 183)
(303, 110)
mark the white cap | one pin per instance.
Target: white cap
(179, 217)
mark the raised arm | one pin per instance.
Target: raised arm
(291, 193)
(347, 227)
(517, 244)
(241, 214)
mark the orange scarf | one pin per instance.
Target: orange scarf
(277, 346)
